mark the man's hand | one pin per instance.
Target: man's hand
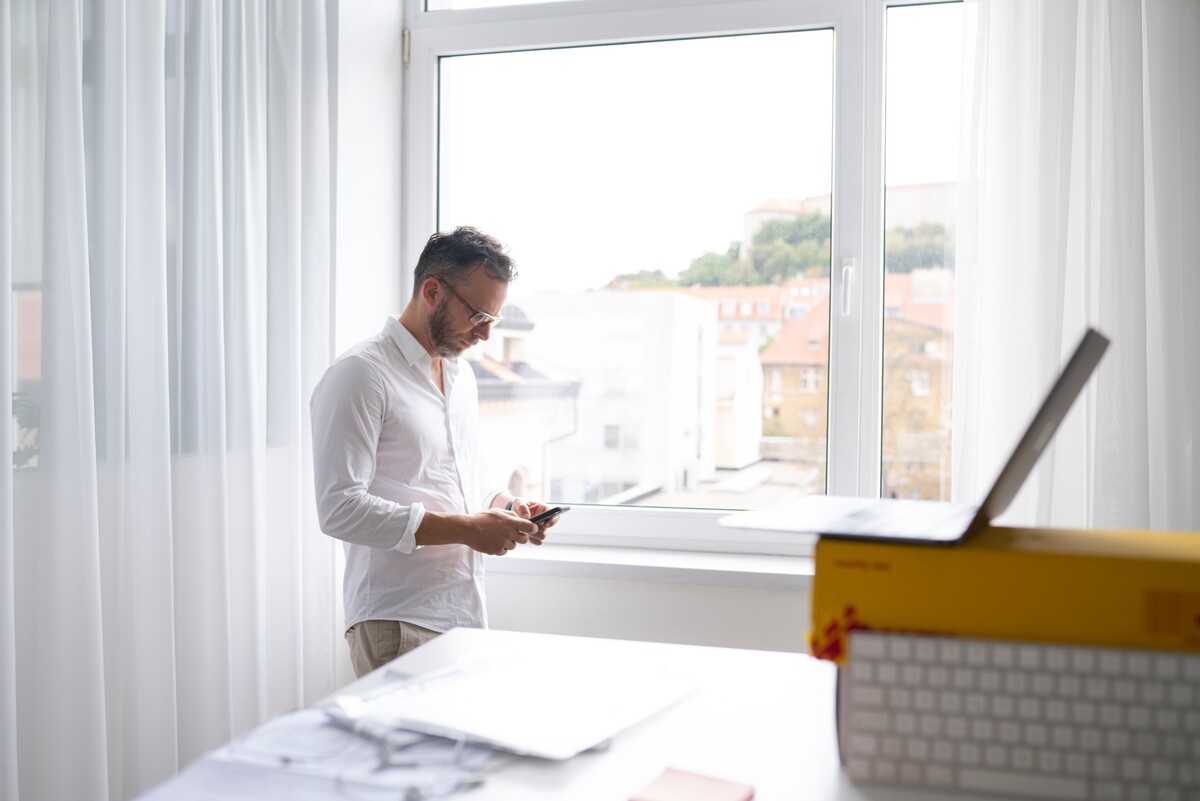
(498, 531)
(494, 532)
(527, 509)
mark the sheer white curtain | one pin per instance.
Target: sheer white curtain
(1082, 184)
(166, 238)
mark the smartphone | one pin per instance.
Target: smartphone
(553, 511)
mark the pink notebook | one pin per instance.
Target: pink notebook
(680, 785)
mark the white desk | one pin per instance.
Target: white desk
(760, 718)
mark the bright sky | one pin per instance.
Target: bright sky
(594, 161)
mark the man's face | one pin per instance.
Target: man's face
(450, 328)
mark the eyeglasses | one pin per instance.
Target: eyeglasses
(478, 316)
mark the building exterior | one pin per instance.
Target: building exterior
(646, 367)
(523, 408)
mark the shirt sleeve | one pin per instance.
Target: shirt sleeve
(347, 410)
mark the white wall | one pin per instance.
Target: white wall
(370, 276)
(737, 617)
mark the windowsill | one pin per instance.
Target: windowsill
(643, 564)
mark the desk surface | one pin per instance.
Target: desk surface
(761, 718)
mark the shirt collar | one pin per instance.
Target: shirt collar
(413, 351)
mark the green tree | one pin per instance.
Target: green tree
(784, 249)
(643, 279)
(717, 269)
(925, 245)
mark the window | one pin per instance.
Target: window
(612, 437)
(658, 174)
(921, 159)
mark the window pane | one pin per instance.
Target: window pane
(924, 46)
(668, 206)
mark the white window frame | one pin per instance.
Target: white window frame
(856, 282)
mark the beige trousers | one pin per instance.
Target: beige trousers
(374, 643)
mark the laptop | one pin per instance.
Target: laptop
(935, 522)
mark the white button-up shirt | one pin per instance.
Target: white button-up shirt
(387, 445)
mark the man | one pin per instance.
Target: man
(395, 457)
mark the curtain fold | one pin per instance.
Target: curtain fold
(165, 228)
(1080, 179)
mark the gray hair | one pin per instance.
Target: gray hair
(449, 257)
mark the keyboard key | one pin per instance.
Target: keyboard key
(956, 728)
(969, 754)
(1104, 766)
(869, 646)
(1056, 659)
(951, 652)
(939, 776)
(1062, 736)
(866, 696)
(1110, 663)
(917, 749)
(1003, 656)
(870, 720)
(1029, 709)
(1029, 658)
(863, 745)
(1049, 761)
(863, 672)
(1009, 783)
(1166, 666)
(1042, 684)
(1132, 769)
(1091, 739)
(1016, 683)
(1161, 772)
(983, 729)
(1077, 764)
(925, 650)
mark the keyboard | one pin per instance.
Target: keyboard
(1020, 719)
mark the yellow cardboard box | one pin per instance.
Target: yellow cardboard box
(1132, 589)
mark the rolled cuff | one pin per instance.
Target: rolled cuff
(408, 539)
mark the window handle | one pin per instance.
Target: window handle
(847, 280)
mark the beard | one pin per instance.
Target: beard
(441, 333)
